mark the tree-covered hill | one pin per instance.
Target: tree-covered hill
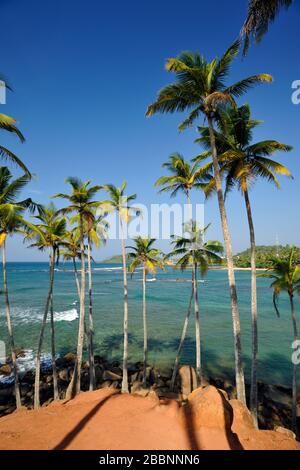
(264, 255)
(117, 259)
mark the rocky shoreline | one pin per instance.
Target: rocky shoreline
(274, 401)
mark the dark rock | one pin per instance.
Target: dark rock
(5, 369)
(63, 375)
(105, 384)
(70, 358)
(108, 375)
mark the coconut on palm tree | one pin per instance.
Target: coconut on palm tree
(120, 203)
(261, 13)
(200, 88)
(192, 252)
(81, 202)
(47, 234)
(11, 222)
(285, 275)
(242, 162)
(145, 255)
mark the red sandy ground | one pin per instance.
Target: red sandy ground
(107, 420)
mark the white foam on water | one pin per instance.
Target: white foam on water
(27, 363)
(67, 315)
(22, 316)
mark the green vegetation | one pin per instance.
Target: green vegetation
(117, 259)
(285, 276)
(264, 256)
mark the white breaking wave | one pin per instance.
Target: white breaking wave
(25, 364)
(68, 315)
(35, 315)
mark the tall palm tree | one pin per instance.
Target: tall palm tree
(120, 203)
(184, 177)
(80, 202)
(261, 13)
(285, 275)
(192, 251)
(143, 254)
(11, 222)
(47, 234)
(200, 89)
(96, 232)
(8, 124)
(242, 162)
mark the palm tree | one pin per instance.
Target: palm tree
(200, 88)
(184, 177)
(285, 274)
(8, 124)
(11, 222)
(243, 162)
(48, 234)
(192, 251)
(143, 254)
(96, 231)
(119, 202)
(81, 202)
(261, 13)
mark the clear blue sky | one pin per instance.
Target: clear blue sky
(84, 73)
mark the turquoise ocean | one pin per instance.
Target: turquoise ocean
(168, 296)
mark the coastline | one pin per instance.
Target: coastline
(274, 400)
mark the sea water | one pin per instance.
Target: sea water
(168, 296)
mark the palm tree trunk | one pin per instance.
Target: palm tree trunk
(76, 277)
(10, 329)
(239, 372)
(197, 326)
(182, 339)
(74, 386)
(41, 337)
(91, 323)
(145, 328)
(54, 370)
(190, 214)
(82, 311)
(294, 369)
(253, 391)
(125, 325)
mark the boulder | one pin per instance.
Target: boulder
(5, 369)
(108, 375)
(242, 418)
(116, 370)
(98, 372)
(285, 432)
(137, 389)
(209, 408)
(187, 380)
(20, 352)
(70, 358)
(63, 375)
(105, 384)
